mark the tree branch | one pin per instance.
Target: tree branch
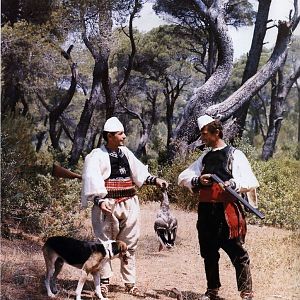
(228, 107)
(133, 47)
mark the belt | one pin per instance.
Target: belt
(120, 189)
(121, 193)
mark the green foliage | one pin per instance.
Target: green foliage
(31, 198)
(279, 191)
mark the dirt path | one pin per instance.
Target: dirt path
(274, 253)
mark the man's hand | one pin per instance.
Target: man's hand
(205, 179)
(162, 183)
(105, 206)
(230, 183)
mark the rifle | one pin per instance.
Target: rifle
(252, 209)
(61, 172)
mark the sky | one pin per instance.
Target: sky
(279, 10)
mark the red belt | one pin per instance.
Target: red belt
(214, 193)
(233, 211)
(120, 189)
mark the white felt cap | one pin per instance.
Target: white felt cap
(113, 125)
(204, 120)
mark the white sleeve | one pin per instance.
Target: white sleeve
(194, 170)
(242, 173)
(139, 171)
(93, 181)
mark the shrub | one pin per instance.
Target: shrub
(279, 191)
(31, 198)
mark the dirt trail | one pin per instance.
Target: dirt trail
(274, 254)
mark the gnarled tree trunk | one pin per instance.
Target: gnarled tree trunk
(99, 47)
(234, 102)
(186, 131)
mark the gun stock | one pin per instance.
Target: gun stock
(255, 211)
(61, 172)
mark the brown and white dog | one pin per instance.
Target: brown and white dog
(84, 255)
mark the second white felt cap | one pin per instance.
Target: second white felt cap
(204, 120)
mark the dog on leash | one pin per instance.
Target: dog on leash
(84, 255)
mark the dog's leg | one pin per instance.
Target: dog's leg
(81, 283)
(98, 293)
(50, 259)
(58, 266)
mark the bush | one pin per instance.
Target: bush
(279, 191)
(31, 199)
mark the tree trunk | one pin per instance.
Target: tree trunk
(186, 131)
(298, 90)
(147, 127)
(57, 111)
(251, 67)
(278, 102)
(141, 149)
(98, 43)
(86, 115)
(212, 54)
(99, 46)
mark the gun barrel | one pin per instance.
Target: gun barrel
(238, 197)
(61, 172)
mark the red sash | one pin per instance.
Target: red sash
(120, 189)
(234, 214)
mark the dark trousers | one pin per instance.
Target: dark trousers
(213, 235)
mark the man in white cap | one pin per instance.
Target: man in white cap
(110, 175)
(221, 220)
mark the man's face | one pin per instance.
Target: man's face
(116, 140)
(208, 138)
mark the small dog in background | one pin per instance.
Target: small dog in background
(84, 255)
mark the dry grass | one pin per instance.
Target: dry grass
(274, 255)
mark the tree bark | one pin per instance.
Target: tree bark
(57, 111)
(186, 131)
(212, 54)
(251, 67)
(278, 102)
(228, 107)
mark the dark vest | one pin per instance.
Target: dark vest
(119, 165)
(219, 162)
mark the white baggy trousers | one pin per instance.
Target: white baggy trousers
(122, 224)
